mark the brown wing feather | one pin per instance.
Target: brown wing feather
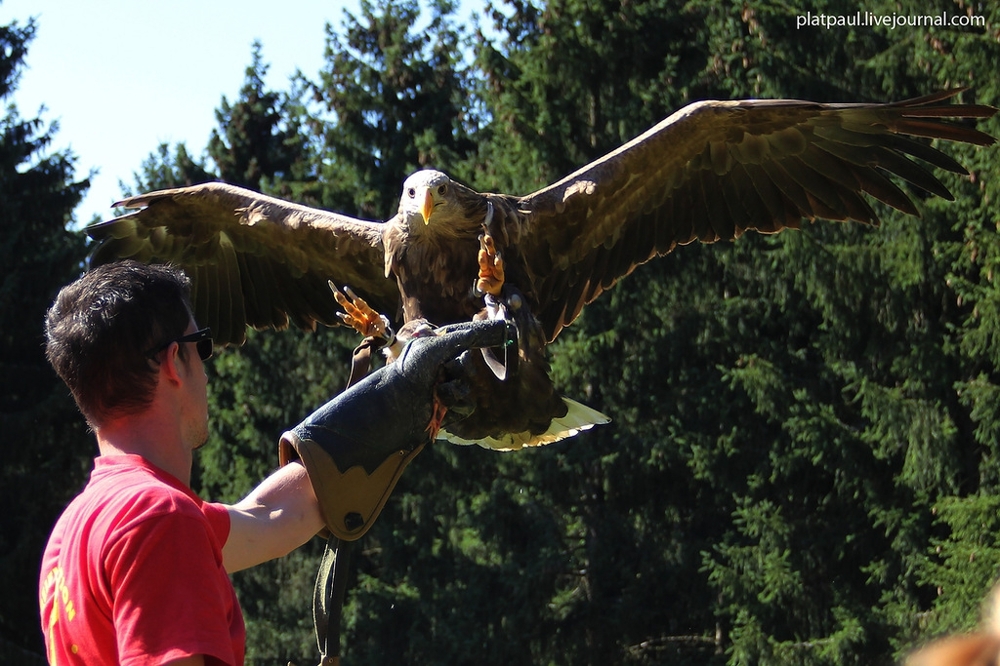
(714, 170)
(254, 260)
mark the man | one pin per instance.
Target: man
(136, 569)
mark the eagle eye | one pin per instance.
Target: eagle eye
(442, 189)
(412, 192)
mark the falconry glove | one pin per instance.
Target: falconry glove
(356, 446)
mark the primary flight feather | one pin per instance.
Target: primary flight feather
(709, 172)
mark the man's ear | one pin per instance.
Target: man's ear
(170, 367)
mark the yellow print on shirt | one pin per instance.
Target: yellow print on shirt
(55, 588)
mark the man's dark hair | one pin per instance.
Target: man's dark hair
(101, 329)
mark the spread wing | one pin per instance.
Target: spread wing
(716, 169)
(253, 260)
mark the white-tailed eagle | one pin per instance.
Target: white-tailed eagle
(709, 172)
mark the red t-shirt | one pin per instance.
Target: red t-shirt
(133, 573)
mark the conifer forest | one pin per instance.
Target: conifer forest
(803, 462)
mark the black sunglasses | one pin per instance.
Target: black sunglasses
(202, 339)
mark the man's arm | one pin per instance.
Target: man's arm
(277, 517)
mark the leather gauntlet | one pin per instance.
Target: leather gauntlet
(356, 446)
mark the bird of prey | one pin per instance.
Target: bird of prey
(711, 171)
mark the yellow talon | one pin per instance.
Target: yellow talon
(438, 412)
(491, 274)
(358, 314)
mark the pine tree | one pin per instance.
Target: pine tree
(395, 100)
(48, 450)
(258, 141)
(265, 387)
(168, 167)
(789, 412)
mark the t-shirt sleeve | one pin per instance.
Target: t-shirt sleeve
(170, 599)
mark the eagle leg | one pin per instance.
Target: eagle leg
(438, 411)
(360, 316)
(491, 274)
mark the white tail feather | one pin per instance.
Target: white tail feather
(578, 418)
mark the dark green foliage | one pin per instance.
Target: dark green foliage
(47, 449)
(168, 168)
(396, 97)
(257, 392)
(965, 561)
(787, 411)
(572, 82)
(258, 141)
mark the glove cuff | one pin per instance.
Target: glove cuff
(350, 500)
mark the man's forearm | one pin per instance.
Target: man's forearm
(278, 516)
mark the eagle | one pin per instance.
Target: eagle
(709, 172)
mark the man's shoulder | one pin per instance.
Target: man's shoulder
(127, 489)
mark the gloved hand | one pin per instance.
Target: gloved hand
(356, 446)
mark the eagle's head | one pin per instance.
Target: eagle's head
(432, 203)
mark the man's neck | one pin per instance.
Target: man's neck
(156, 442)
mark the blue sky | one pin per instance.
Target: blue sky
(122, 76)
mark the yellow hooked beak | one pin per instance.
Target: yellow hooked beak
(428, 206)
